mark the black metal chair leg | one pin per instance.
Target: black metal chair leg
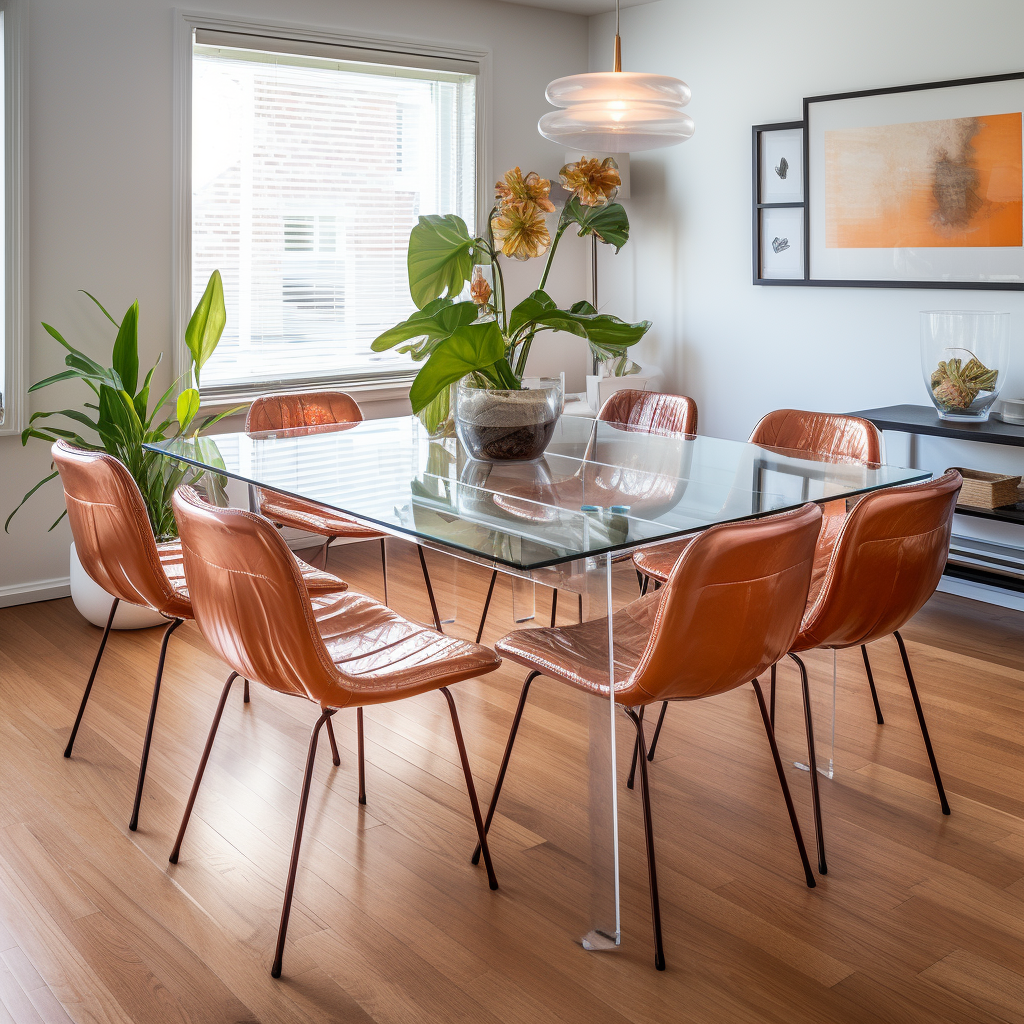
(492, 881)
(293, 864)
(384, 567)
(202, 767)
(643, 586)
(580, 598)
(924, 728)
(812, 764)
(430, 590)
(505, 759)
(871, 682)
(245, 692)
(636, 754)
(652, 871)
(808, 873)
(657, 730)
(171, 627)
(335, 756)
(554, 605)
(359, 755)
(487, 604)
(771, 697)
(92, 677)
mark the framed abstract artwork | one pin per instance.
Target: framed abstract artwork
(919, 186)
(779, 185)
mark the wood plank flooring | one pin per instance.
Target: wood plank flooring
(920, 918)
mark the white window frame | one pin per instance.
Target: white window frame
(14, 349)
(395, 384)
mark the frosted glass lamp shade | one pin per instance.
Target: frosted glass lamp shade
(617, 112)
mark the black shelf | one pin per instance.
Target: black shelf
(922, 419)
(1005, 513)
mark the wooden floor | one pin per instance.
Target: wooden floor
(920, 918)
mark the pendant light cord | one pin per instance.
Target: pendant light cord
(617, 54)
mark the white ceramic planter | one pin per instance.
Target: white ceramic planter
(93, 602)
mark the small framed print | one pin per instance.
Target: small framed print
(781, 166)
(782, 243)
(779, 193)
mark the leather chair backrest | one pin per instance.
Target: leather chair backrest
(301, 409)
(248, 598)
(113, 536)
(731, 607)
(651, 412)
(829, 435)
(886, 563)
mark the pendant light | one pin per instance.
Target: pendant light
(617, 111)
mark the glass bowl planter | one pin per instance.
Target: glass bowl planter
(508, 426)
(964, 355)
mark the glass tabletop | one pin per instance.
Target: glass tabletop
(600, 488)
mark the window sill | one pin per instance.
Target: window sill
(390, 388)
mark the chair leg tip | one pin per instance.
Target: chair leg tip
(811, 883)
(822, 868)
(133, 825)
(493, 885)
(275, 971)
(173, 859)
(475, 858)
(362, 801)
(659, 962)
(945, 809)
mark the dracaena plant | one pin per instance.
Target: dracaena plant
(485, 337)
(118, 416)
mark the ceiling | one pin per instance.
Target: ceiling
(582, 6)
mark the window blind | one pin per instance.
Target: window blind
(310, 165)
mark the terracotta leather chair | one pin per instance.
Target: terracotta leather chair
(885, 563)
(338, 651)
(826, 436)
(648, 412)
(116, 546)
(294, 410)
(730, 608)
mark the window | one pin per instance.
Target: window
(310, 163)
(13, 363)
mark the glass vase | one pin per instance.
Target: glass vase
(964, 356)
(508, 426)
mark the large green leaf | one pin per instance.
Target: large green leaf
(469, 348)
(207, 323)
(536, 304)
(582, 320)
(125, 358)
(434, 322)
(188, 407)
(608, 222)
(440, 257)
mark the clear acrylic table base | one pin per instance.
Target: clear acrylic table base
(605, 929)
(824, 718)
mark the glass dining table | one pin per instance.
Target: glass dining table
(601, 491)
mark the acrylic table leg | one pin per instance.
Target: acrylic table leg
(823, 710)
(604, 931)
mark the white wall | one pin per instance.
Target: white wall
(742, 350)
(100, 136)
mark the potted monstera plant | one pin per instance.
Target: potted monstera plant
(118, 417)
(482, 344)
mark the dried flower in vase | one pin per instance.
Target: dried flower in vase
(956, 384)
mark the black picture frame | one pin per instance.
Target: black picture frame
(758, 207)
(809, 213)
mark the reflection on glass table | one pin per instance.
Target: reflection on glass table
(600, 491)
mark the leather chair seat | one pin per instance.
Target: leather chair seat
(299, 514)
(317, 581)
(578, 654)
(381, 656)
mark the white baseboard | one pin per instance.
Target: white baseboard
(35, 590)
(979, 592)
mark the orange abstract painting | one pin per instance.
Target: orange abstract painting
(925, 184)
